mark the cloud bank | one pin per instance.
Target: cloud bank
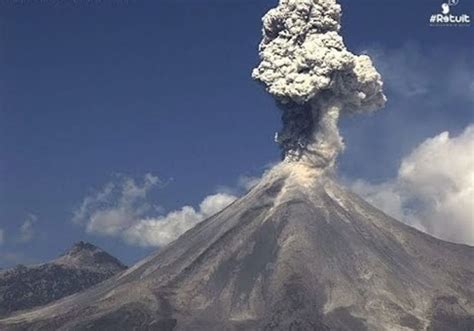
(120, 209)
(434, 188)
(116, 207)
(162, 230)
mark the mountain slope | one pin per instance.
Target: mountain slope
(298, 252)
(81, 267)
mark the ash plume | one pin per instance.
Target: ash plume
(306, 67)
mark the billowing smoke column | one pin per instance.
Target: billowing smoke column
(307, 68)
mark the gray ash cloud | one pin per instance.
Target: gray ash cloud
(306, 67)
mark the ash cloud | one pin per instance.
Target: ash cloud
(306, 67)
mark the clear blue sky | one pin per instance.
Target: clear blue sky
(89, 91)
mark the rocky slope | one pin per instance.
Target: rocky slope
(298, 252)
(81, 267)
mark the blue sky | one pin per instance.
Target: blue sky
(95, 91)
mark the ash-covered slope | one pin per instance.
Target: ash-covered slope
(298, 252)
(81, 267)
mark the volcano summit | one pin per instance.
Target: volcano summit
(298, 251)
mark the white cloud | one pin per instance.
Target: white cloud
(162, 230)
(434, 189)
(2, 236)
(116, 207)
(120, 210)
(27, 230)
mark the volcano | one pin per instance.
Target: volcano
(297, 252)
(82, 266)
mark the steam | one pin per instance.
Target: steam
(306, 67)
